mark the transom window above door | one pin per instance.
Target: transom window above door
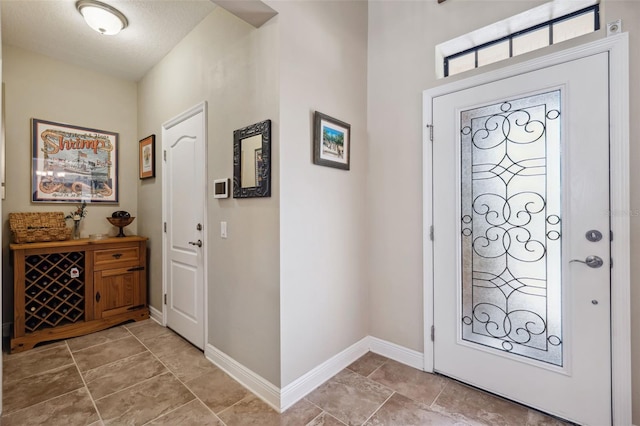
(548, 24)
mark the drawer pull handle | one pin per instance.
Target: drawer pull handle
(137, 268)
(98, 297)
(117, 255)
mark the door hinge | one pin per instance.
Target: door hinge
(610, 235)
(431, 232)
(165, 298)
(433, 333)
(165, 155)
(430, 127)
(165, 227)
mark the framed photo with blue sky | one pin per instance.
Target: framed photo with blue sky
(331, 142)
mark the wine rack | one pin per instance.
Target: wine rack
(54, 289)
(69, 288)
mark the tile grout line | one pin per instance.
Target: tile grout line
(378, 409)
(438, 396)
(98, 344)
(177, 378)
(85, 384)
(37, 374)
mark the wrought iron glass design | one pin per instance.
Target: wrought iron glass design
(511, 227)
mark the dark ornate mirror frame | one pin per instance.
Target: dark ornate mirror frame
(263, 189)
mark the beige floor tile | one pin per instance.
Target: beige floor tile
(192, 413)
(25, 364)
(123, 373)
(100, 337)
(39, 388)
(147, 329)
(251, 411)
(477, 407)
(74, 408)
(300, 413)
(185, 361)
(535, 418)
(106, 353)
(400, 410)
(164, 344)
(144, 402)
(367, 363)
(350, 397)
(415, 384)
(325, 419)
(217, 389)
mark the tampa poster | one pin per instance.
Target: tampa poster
(72, 164)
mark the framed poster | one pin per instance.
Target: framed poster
(72, 164)
(147, 157)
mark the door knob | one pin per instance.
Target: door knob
(196, 243)
(590, 261)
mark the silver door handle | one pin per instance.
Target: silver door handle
(590, 261)
(197, 243)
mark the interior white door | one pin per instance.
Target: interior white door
(522, 240)
(184, 192)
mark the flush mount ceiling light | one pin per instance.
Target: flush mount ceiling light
(102, 17)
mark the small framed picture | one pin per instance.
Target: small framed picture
(331, 142)
(147, 157)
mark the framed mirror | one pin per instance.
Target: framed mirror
(252, 161)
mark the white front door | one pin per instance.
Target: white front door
(184, 195)
(521, 238)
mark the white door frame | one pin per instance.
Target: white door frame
(202, 187)
(618, 48)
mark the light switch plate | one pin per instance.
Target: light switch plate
(223, 229)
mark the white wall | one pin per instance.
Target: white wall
(41, 87)
(402, 38)
(232, 66)
(323, 215)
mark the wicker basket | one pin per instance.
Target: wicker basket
(36, 227)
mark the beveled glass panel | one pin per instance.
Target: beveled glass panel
(462, 63)
(511, 227)
(494, 53)
(532, 40)
(574, 27)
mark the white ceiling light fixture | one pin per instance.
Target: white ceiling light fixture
(102, 17)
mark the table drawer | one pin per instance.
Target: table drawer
(116, 258)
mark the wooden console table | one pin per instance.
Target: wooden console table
(69, 288)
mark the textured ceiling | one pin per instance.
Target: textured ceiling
(54, 28)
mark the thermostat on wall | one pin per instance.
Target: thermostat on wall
(221, 188)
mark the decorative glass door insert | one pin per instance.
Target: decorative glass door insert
(511, 226)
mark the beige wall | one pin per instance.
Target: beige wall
(40, 87)
(402, 38)
(323, 214)
(232, 66)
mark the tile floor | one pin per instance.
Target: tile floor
(144, 374)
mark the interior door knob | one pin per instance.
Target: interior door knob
(196, 243)
(590, 261)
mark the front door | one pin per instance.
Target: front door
(184, 192)
(522, 241)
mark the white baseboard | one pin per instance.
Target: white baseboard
(156, 315)
(303, 385)
(281, 399)
(258, 385)
(397, 353)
